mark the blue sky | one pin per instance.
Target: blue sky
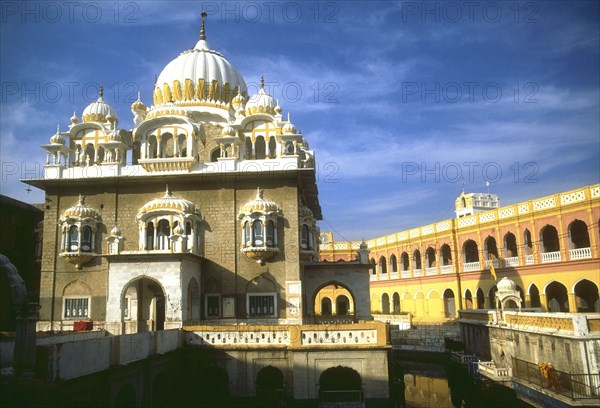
(398, 99)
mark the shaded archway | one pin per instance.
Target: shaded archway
(468, 299)
(126, 397)
(556, 296)
(340, 384)
(385, 303)
(549, 238)
(446, 255)
(260, 148)
(510, 246)
(143, 306)
(480, 299)
(393, 263)
(534, 296)
(342, 305)
(326, 306)
(578, 235)
(396, 302)
(449, 304)
(430, 258)
(404, 261)
(470, 251)
(382, 265)
(336, 299)
(417, 259)
(270, 389)
(491, 249)
(586, 296)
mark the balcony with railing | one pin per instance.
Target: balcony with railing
(495, 262)
(576, 387)
(529, 260)
(417, 273)
(431, 271)
(373, 277)
(580, 253)
(548, 257)
(394, 275)
(488, 369)
(447, 268)
(471, 266)
(511, 261)
(405, 274)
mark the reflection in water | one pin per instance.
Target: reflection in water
(439, 383)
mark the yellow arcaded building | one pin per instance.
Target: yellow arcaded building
(549, 246)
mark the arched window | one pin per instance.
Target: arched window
(430, 257)
(480, 299)
(510, 245)
(446, 255)
(534, 296)
(527, 243)
(468, 300)
(449, 303)
(393, 263)
(578, 235)
(373, 267)
(163, 232)
(150, 236)
(73, 238)
(342, 305)
(417, 259)
(247, 234)
(86, 238)
(556, 295)
(248, 149)
(586, 297)
(491, 250)
(270, 233)
(404, 261)
(215, 154)
(326, 306)
(549, 237)
(382, 265)
(257, 233)
(463, 201)
(470, 251)
(260, 148)
(272, 147)
(152, 147)
(304, 241)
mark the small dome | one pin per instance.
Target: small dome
(178, 230)
(261, 102)
(80, 211)
(506, 284)
(115, 232)
(228, 130)
(363, 245)
(57, 137)
(277, 108)
(304, 211)
(74, 119)
(259, 204)
(99, 111)
(238, 100)
(168, 202)
(288, 128)
(138, 104)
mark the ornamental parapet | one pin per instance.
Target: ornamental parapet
(329, 336)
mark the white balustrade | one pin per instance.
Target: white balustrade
(431, 271)
(471, 266)
(551, 257)
(580, 253)
(495, 262)
(447, 268)
(394, 275)
(417, 273)
(373, 277)
(405, 274)
(512, 261)
(529, 259)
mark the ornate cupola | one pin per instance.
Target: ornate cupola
(259, 221)
(308, 231)
(56, 152)
(199, 77)
(138, 108)
(261, 102)
(170, 224)
(79, 226)
(100, 111)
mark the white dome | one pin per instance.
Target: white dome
(168, 202)
(98, 111)
(199, 63)
(261, 102)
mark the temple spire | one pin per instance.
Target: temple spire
(202, 28)
(101, 91)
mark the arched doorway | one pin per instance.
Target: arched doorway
(556, 295)
(480, 299)
(340, 385)
(270, 390)
(449, 304)
(325, 306)
(586, 296)
(342, 304)
(534, 296)
(126, 397)
(143, 306)
(396, 301)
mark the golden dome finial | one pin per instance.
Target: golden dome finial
(81, 199)
(202, 28)
(168, 192)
